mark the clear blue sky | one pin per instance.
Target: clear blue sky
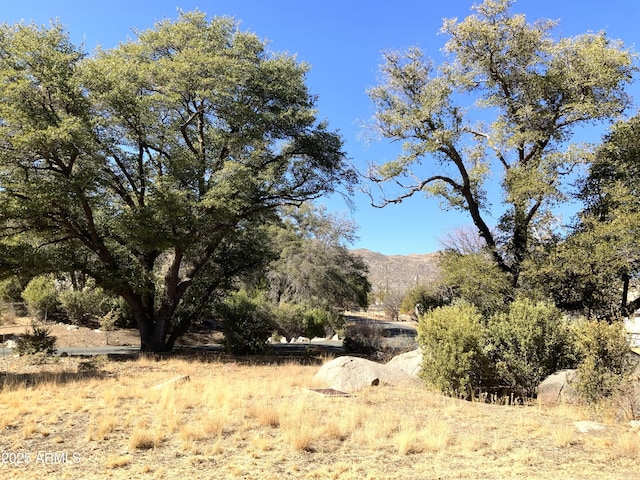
(342, 40)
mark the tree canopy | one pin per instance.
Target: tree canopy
(604, 246)
(153, 165)
(503, 107)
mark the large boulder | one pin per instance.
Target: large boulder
(350, 374)
(556, 388)
(410, 362)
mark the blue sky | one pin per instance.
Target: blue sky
(342, 40)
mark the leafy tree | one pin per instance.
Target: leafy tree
(247, 323)
(163, 151)
(41, 296)
(606, 236)
(314, 266)
(423, 298)
(476, 279)
(536, 88)
(583, 273)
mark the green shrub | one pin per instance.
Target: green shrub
(420, 299)
(10, 290)
(38, 341)
(453, 339)
(319, 322)
(604, 359)
(85, 305)
(288, 318)
(296, 320)
(247, 324)
(527, 343)
(477, 279)
(41, 296)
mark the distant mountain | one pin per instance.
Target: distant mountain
(399, 272)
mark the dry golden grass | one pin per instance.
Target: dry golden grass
(240, 421)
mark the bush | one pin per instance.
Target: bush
(604, 359)
(247, 324)
(365, 337)
(420, 299)
(40, 340)
(41, 296)
(453, 340)
(319, 322)
(528, 343)
(295, 320)
(82, 306)
(10, 290)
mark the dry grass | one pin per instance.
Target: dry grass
(239, 421)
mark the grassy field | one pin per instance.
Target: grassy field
(72, 419)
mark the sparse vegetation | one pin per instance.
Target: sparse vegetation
(260, 421)
(364, 337)
(38, 341)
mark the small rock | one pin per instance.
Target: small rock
(585, 426)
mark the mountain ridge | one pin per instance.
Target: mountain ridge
(399, 272)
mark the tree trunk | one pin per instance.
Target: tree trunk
(153, 331)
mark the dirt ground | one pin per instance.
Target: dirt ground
(71, 336)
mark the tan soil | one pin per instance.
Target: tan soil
(88, 337)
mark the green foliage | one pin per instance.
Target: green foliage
(421, 299)
(38, 341)
(108, 323)
(583, 273)
(10, 289)
(174, 144)
(313, 265)
(534, 89)
(476, 279)
(86, 304)
(41, 296)
(527, 343)
(247, 323)
(296, 320)
(453, 340)
(605, 239)
(603, 350)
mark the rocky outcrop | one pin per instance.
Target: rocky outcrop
(350, 374)
(556, 388)
(410, 362)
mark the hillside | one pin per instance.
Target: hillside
(399, 272)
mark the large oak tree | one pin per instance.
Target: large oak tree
(150, 165)
(502, 108)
